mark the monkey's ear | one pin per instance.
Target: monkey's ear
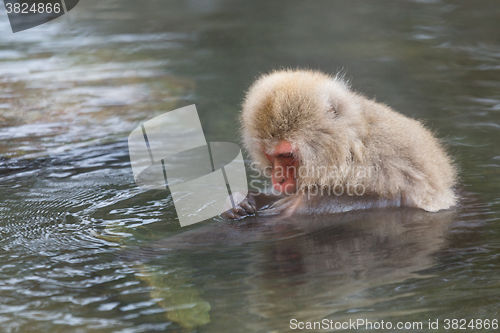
(331, 110)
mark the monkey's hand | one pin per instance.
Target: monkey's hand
(244, 208)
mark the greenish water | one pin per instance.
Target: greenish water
(83, 249)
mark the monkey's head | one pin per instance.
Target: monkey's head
(295, 121)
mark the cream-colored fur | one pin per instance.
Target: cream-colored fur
(356, 140)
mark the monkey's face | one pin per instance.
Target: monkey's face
(293, 119)
(284, 163)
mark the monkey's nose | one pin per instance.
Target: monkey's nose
(280, 180)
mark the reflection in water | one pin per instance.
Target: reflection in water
(175, 293)
(308, 268)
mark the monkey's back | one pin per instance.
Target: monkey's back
(410, 159)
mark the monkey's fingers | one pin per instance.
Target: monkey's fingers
(248, 207)
(239, 211)
(229, 215)
(244, 208)
(234, 214)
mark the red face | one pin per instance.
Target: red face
(284, 164)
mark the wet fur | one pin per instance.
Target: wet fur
(331, 126)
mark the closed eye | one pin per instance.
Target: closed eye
(291, 157)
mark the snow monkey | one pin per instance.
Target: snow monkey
(328, 149)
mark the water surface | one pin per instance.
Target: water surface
(85, 250)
